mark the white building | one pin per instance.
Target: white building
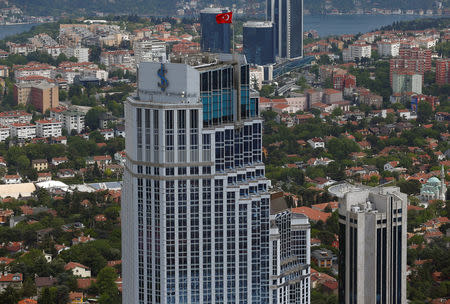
(107, 133)
(23, 130)
(48, 128)
(290, 252)
(388, 48)
(71, 119)
(316, 143)
(78, 270)
(81, 53)
(372, 245)
(12, 179)
(406, 82)
(149, 50)
(357, 50)
(4, 132)
(206, 208)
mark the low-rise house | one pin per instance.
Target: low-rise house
(39, 164)
(120, 131)
(45, 282)
(5, 214)
(324, 258)
(76, 297)
(44, 177)
(120, 157)
(12, 279)
(12, 179)
(316, 143)
(66, 173)
(59, 160)
(78, 270)
(312, 214)
(82, 239)
(107, 133)
(101, 160)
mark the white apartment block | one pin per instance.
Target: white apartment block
(81, 53)
(149, 51)
(360, 50)
(4, 133)
(10, 117)
(23, 130)
(388, 48)
(38, 70)
(48, 128)
(71, 119)
(107, 133)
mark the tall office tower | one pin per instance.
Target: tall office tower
(215, 37)
(195, 216)
(287, 17)
(372, 245)
(259, 42)
(290, 258)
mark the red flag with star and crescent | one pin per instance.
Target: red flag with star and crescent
(224, 18)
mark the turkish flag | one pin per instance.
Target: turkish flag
(224, 18)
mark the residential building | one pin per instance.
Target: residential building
(71, 119)
(78, 269)
(372, 245)
(413, 60)
(316, 143)
(183, 175)
(443, 71)
(4, 133)
(10, 280)
(23, 130)
(149, 50)
(287, 17)
(215, 38)
(80, 53)
(388, 48)
(10, 117)
(107, 133)
(405, 82)
(323, 258)
(39, 164)
(42, 96)
(289, 264)
(76, 297)
(56, 161)
(44, 177)
(48, 128)
(259, 44)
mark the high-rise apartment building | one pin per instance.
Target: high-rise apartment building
(259, 43)
(195, 216)
(406, 82)
(443, 71)
(290, 258)
(411, 60)
(287, 17)
(215, 38)
(372, 245)
(42, 96)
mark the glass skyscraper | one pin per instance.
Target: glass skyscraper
(195, 213)
(259, 42)
(215, 38)
(290, 258)
(287, 17)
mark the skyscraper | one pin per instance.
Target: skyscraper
(195, 216)
(259, 43)
(215, 37)
(287, 16)
(372, 246)
(290, 258)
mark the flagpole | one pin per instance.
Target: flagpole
(232, 30)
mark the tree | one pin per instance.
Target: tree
(107, 287)
(92, 117)
(9, 296)
(62, 95)
(424, 111)
(266, 90)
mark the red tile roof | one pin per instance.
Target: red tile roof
(314, 215)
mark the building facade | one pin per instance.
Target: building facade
(215, 38)
(196, 220)
(259, 43)
(287, 17)
(443, 71)
(42, 96)
(290, 259)
(372, 246)
(405, 82)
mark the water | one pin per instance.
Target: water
(327, 25)
(8, 30)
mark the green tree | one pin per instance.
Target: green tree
(424, 111)
(9, 296)
(107, 287)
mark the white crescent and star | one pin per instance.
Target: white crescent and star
(226, 17)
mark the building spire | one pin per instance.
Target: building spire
(443, 194)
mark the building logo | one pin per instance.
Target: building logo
(164, 83)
